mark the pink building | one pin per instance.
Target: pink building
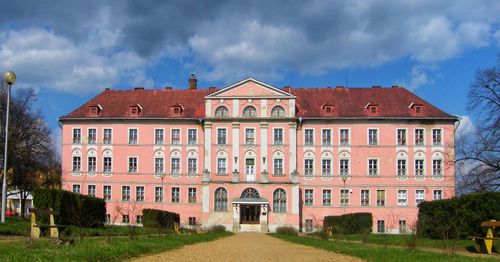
(254, 157)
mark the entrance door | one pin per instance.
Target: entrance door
(250, 169)
(250, 214)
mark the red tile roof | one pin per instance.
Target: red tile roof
(347, 102)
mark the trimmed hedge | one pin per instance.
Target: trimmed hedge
(458, 217)
(74, 209)
(353, 223)
(159, 218)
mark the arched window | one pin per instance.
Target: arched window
(250, 111)
(220, 199)
(278, 111)
(221, 111)
(250, 193)
(279, 201)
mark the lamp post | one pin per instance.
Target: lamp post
(344, 179)
(10, 79)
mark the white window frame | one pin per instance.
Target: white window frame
(162, 141)
(306, 197)
(195, 166)
(348, 136)
(377, 139)
(405, 173)
(76, 164)
(441, 137)
(136, 165)
(441, 170)
(104, 141)
(282, 166)
(137, 199)
(77, 188)
(282, 142)
(73, 141)
(162, 171)
(330, 142)
(405, 138)
(247, 137)
(402, 195)
(124, 198)
(159, 198)
(225, 166)
(88, 136)
(344, 202)
(190, 141)
(326, 202)
(225, 136)
(172, 137)
(107, 195)
(309, 174)
(330, 169)
(305, 137)
(172, 165)
(190, 196)
(341, 170)
(175, 197)
(137, 135)
(440, 195)
(361, 197)
(415, 136)
(377, 199)
(419, 197)
(104, 165)
(377, 170)
(416, 169)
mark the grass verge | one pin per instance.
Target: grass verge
(98, 249)
(376, 253)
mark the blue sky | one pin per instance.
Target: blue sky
(69, 51)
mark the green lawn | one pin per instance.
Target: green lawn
(377, 253)
(97, 248)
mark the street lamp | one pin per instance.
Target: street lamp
(10, 79)
(344, 179)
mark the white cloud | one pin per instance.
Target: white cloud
(465, 128)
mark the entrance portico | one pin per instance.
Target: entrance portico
(250, 212)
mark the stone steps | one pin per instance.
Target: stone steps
(250, 228)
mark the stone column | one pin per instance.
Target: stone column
(236, 217)
(263, 218)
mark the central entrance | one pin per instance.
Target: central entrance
(249, 214)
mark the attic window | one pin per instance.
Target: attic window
(328, 109)
(417, 109)
(373, 109)
(95, 110)
(176, 109)
(135, 110)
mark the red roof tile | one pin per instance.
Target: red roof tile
(347, 102)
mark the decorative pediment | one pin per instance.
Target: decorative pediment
(250, 88)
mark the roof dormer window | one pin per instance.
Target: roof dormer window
(176, 109)
(135, 110)
(417, 109)
(95, 110)
(372, 109)
(328, 109)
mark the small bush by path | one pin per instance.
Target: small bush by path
(376, 253)
(98, 249)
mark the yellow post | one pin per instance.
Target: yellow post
(489, 242)
(176, 228)
(54, 233)
(35, 231)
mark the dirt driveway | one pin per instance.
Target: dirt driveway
(247, 247)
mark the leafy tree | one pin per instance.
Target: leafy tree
(479, 155)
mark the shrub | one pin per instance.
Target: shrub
(74, 209)
(159, 218)
(458, 217)
(354, 223)
(286, 230)
(217, 229)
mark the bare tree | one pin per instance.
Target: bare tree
(478, 156)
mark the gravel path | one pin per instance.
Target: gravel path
(247, 247)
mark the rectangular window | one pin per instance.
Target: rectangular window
(401, 137)
(437, 167)
(372, 167)
(327, 197)
(107, 138)
(309, 225)
(344, 167)
(401, 167)
(125, 193)
(419, 137)
(250, 136)
(159, 137)
(175, 195)
(158, 194)
(278, 166)
(436, 137)
(159, 165)
(221, 166)
(132, 136)
(138, 219)
(92, 164)
(77, 164)
(192, 195)
(107, 192)
(365, 197)
(192, 166)
(380, 198)
(402, 198)
(380, 226)
(326, 167)
(344, 197)
(175, 166)
(77, 136)
(92, 136)
(372, 137)
(221, 136)
(308, 167)
(419, 167)
(132, 164)
(278, 136)
(176, 137)
(107, 165)
(192, 221)
(438, 194)
(344, 137)
(91, 190)
(402, 226)
(326, 137)
(309, 137)
(108, 218)
(139, 193)
(192, 136)
(419, 196)
(309, 197)
(125, 219)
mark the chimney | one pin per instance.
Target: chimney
(193, 82)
